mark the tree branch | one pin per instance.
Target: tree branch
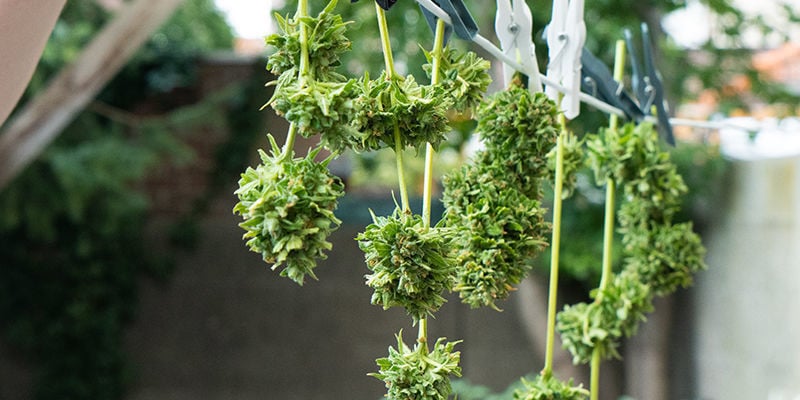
(43, 118)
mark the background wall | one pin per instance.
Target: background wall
(748, 301)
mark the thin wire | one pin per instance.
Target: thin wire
(492, 49)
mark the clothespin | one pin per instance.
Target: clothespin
(566, 35)
(599, 82)
(462, 22)
(647, 85)
(385, 4)
(514, 26)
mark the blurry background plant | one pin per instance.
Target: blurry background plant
(71, 225)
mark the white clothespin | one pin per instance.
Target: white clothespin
(566, 35)
(514, 26)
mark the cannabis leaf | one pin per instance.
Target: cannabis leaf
(601, 324)
(320, 108)
(325, 43)
(418, 113)
(666, 256)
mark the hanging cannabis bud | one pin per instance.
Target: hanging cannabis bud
(463, 75)
(666, 256)
(550, 389)
(500, 230)
(287, 205)
(632, 156)
(309, 93)
(320, 108)
(418, 374)
(573, 161)
(412, 264)
(601, 324)
(325, 43)
(417, 112)
(519, 129)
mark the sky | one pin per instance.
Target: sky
(249, 18)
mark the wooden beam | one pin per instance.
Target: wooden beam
(44, 117)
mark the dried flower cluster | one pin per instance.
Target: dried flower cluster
(412, 264)
(287, 206)
(495, 202)
(419, 374)
(659, 256)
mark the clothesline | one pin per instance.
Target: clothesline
(492, 49)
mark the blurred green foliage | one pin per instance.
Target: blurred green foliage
(71, 225)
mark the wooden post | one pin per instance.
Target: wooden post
(44, 117)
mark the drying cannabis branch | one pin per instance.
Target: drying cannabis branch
(412, 265)
(652, 190)
(412, 262)
(287, 203)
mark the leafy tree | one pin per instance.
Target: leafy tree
(71, 224)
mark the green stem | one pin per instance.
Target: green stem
(594, 377)
(422, 336)
(438, 44)
(385, 42)
(608, 229)
(302, 11)
(608, 226)
(288, 147)
(401, 176)
(427, 189)
(608, 235)
(619, 72)
(547, 372)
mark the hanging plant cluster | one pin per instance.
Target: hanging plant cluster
(659, 256)
(495, 202)
(493, 224)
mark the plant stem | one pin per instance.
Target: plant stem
(288, 147)
(594, 379)
(386, 44)
(619, 71)
(608, 235)
(552, 300)
(608, 226)
(302, 11)
(438, 45)
(401, 176)
(422, 336)
(390, 73)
